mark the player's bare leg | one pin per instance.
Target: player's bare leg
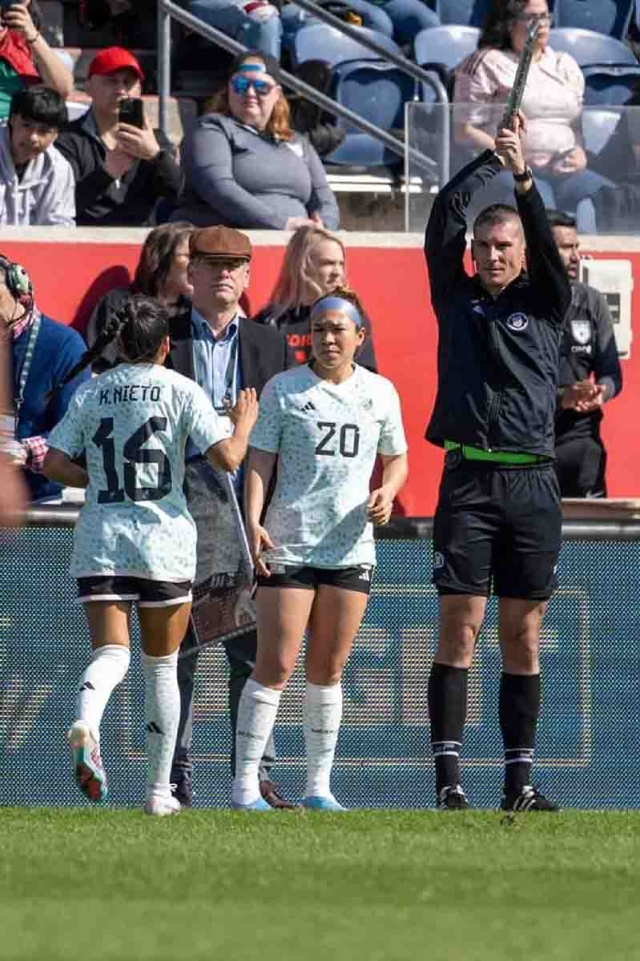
(335, 621)
(162, 630)
(109, 630)
(283, 613)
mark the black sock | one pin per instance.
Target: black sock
(447, 711)
(519, 710)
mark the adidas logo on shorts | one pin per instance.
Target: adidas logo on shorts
(365, 576)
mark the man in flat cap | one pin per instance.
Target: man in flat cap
(215, 345)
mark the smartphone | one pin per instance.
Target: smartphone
(131, 111)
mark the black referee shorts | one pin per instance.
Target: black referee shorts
(497, 530)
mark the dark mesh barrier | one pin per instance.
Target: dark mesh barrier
(588, 730)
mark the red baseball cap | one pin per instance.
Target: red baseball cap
(112, 59)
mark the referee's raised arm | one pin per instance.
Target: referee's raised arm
(445, 236)
(544, 265)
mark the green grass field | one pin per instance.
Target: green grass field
(370, 885)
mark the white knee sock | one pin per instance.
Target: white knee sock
(256, 716)
(107, 668)
(161, 714)
(322, 715)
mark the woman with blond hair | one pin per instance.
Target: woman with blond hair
(245, 166)
(313, 265)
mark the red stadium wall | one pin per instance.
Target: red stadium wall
(70, 277)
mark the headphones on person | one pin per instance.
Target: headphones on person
(17, 280)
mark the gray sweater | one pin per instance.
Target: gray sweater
(43, 196)
(241, 178)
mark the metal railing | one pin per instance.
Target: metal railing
(168, 11)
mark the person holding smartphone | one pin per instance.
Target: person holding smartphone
(25, 56)
(122, 166)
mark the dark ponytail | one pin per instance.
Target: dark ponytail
(139, 326)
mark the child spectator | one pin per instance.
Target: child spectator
(36, 183)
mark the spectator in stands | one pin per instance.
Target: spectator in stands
(42, 353)
(26, 57)
(255, 23)
(121, 170)
(246, 167)
(313, 265)
(162, 272)
(37, 186)
(552, 105)
(590, 375)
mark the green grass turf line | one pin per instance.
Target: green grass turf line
(365, 886)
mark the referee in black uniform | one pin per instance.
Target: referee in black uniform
(590, 375)
(498, 521)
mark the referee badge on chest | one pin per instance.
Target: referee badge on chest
(581, 331)
(517, 322)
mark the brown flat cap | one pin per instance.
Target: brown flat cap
(220, 242)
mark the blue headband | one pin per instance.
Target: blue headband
(337, 303)
(252, 68)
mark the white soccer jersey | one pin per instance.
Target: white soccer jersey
(132, 423)
(327, 436)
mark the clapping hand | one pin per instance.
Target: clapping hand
(583, 397)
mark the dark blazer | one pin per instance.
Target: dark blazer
(263, 351)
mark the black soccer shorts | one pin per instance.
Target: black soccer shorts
(145, 592)
(356, 578)
(497, 530)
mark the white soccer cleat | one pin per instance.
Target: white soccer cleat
(87, 763)
(161, 807)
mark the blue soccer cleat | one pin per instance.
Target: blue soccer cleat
(87, 763)
(258, 805)
(319, 802)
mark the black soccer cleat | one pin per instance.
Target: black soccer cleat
(452, 798)
(529, 799)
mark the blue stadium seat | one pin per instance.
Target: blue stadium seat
(332, 46)
(588, 47)
(610, 17)
(469, 13)
(376, 91)
(607, 84)
(409, 18)
(446, 45)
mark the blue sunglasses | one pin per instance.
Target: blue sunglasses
(262, 87)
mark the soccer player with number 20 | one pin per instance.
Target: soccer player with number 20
(323, 425)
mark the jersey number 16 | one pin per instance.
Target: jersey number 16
(133, 453)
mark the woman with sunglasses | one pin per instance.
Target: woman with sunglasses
(161, 273)
(320, 429)
(552, 104)
(244, 164)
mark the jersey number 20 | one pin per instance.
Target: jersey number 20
(134, 453)
(348, 439)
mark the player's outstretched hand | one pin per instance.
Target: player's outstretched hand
(245, 412)
(259, 541)
(380, 506)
